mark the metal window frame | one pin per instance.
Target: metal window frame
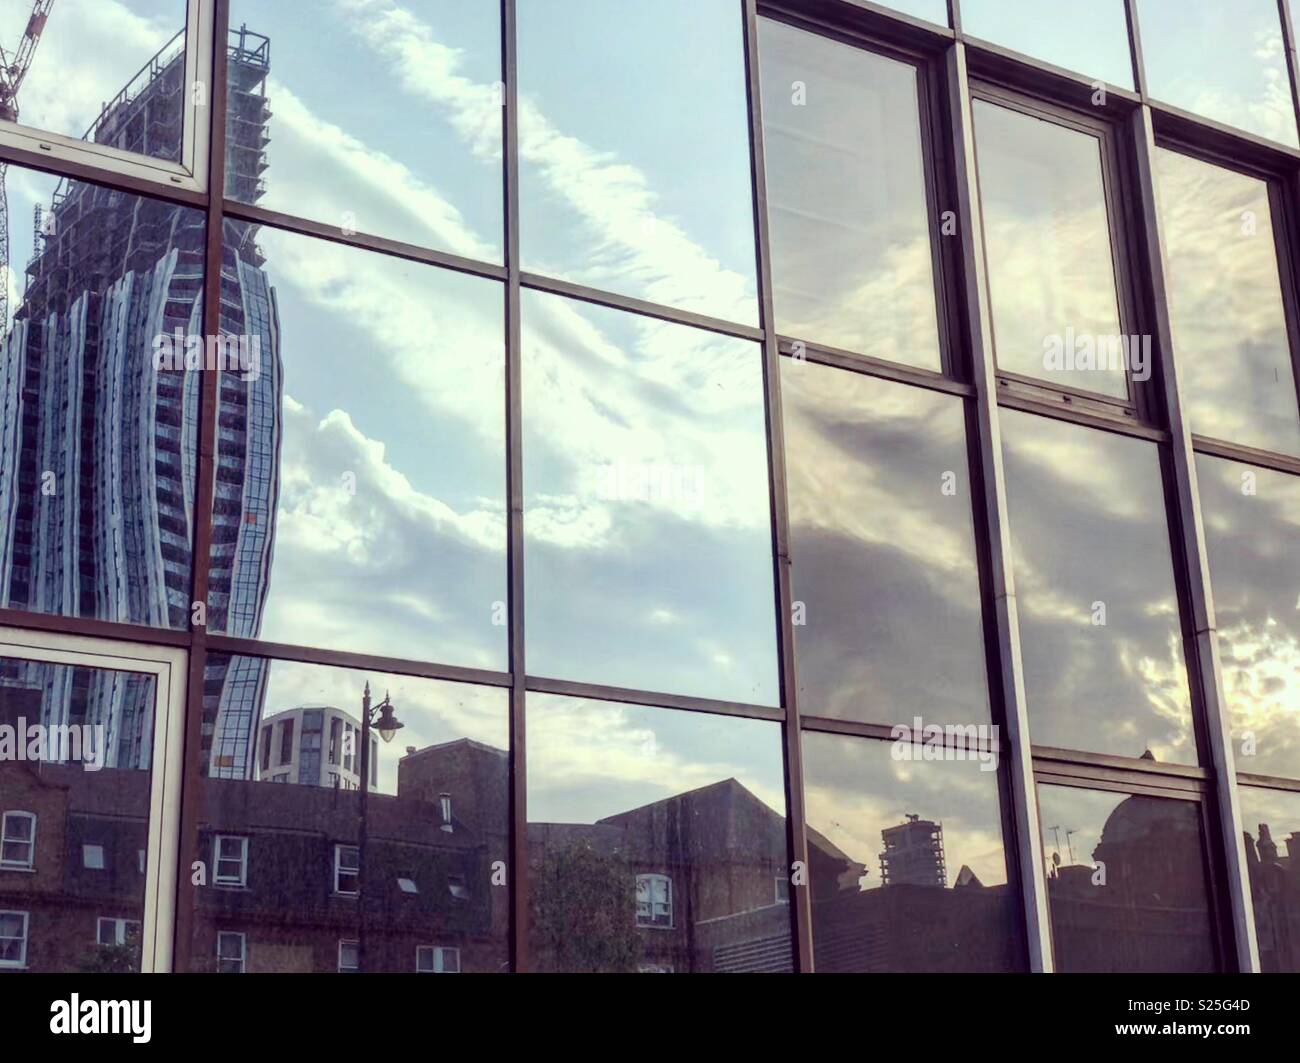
(952, 67)
(44, 149)
(168, 667)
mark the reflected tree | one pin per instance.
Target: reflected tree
(584, 912)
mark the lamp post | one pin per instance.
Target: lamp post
(387, 725)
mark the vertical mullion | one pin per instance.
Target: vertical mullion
(801, 900)
(1292, 60)
(209, 385)
(1190, 531)
(995, 521)
(1135, 48)
(518, 877)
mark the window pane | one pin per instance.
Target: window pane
(621, 791)
(649, 552)
(360, 500)
(1252, 535)
(641, 187)
(1271, 821)
(883, 549)
(437, 813)
(933, 830)
(1091, 39)
(846, 198)
(98, 436)
(345, 150)
(1126, 883)
(1047, 240)
(1099, 621)
(109, 73)
(1224, 61)
(89, 790)
(1225, 305)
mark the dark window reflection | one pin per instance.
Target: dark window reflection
(1271, 821)
(846, 197)
(129, 87)
(342, 851)
(907, 867)
(1091, 39)
(649, 549)
(360, 490)
(1224, 61)
(98, 420)
(1099, 621)
(1225, 305)
(1048, 244)
(342, 150)
(1126, 882)
(77, 747)
(1252, 535)
(884, 552)
(634, 173)
(656, 840)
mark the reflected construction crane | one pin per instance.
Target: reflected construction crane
(13, 68)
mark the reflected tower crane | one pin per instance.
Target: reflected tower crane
(13, 69)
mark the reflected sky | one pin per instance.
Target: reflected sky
(1252, 533)
(934, 10)
(883, 550)
(431, 177)
(390, 528)
(634, 151)
(855, 789)
(846, 198)
(1091, 38)
(1223, 61)
(1088, 526)
(649, 556)
(588, 760)
(1048, 244)
(88, 52)
(431, 711)
(1225, 305)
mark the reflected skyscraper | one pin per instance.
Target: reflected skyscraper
(97, 459)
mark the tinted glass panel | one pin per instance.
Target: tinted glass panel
(883, 550)
(361, 462)
(129, 62)
(1047, 240)
(1099, 624)
(1091, 39)
(299, 859)
(98, 435)
(641, 187)
(846, 198)
(75, 829)
(1224, 61)
(1225, 305)
(656, 840)
(1271, 820)
(906, 861)
(649, 554)
(1252, 534)
(345, 150)
(1126, 882)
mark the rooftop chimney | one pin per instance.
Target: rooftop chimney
(444, 801)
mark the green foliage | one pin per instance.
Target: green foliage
(584, 912)
(111, 959)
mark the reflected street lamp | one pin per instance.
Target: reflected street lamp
(387, 724)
